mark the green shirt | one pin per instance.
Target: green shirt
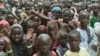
(93, 20)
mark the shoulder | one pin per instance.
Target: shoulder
(82, 49)
(67, 53)
(91, 29)
(54, 53)
(36, 54)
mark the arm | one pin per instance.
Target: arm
(41, 16)
(29, 47)
(8, 46)
(29, 43)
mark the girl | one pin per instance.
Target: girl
(19, 46)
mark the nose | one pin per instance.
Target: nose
(44, 47)
(17, 36)
(73, 42)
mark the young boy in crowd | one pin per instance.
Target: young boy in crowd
(44, 44)
(75, 49)
(88, 37)
(93, 18)
(63, 39)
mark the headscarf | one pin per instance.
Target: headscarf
(17, 25)
(19, 49)
(56, 8)
(5, 27)
(3, 22)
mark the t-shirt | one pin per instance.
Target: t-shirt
(3, 54)
(82, 52)
(19, 49)
(52, 54)
(93, 20)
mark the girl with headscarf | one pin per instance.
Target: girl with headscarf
(19, 46)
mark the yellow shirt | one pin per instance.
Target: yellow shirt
(82, 52)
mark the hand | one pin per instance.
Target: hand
(8, 43)
(94, 47)
(29, 34)
(60, 20)
(73, 8)
(7, 40)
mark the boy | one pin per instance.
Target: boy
(75, 49)
(44, 44)
(93, 18)
(88, 37)
(63, 39)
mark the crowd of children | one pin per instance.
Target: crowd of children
(49, 28)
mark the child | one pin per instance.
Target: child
(44, 44)
(88, 37)
(74, 41)
(93, 18)
(6, 27)
(2, 46)
(10, 18)
(40, 30)
(67, 18)
(19, 46)
(63, 38)
(52, 31)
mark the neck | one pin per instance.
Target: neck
(84, 27)
(44, 54)
(75, 49)
(64, 46)
(1, 50)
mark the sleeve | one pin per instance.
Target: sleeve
(91, 21)
(66, 54)
(53, 53)
(95, 39)
(58, 53)
(85, 50)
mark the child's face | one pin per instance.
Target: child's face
(57, 14)
(2, 44)
(74, 41)
(84, 20)
(37, 20)
(36, 7)
(63, 40)
(45, 45)
(30, 30)
(52, 28)
(16, 34)
(67, 16)
(46, 9)
(96, 8)
(98, 16)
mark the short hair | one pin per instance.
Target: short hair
(61, 33)
(75, 32)
(43, 37)
(83, 13)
